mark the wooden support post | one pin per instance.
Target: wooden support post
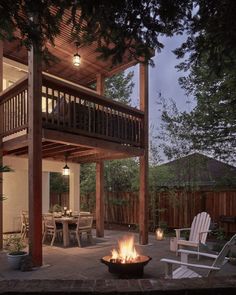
(100, 199)
(143, 194)
(1, 160)
(35, 155)
(100, 177)
(100, 84)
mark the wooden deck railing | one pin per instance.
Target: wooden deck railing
(14, 108)
(72, 109)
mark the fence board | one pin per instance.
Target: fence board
(177, 210)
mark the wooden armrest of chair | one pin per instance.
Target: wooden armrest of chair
(181, 229)
(170, 263)
(178, 231)
(203, 232)
(213, 256)
(197, 253)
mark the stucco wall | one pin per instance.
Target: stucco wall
(15, 188)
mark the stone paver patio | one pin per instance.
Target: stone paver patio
(75, 263)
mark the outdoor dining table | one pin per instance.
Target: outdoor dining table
(65, 221)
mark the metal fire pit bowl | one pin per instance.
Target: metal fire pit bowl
(134, 269)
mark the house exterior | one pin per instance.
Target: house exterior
(197, 171)
(52, 112)
(196, 183)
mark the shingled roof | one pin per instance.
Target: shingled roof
(197, 170)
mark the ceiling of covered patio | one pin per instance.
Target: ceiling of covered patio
(63, 50)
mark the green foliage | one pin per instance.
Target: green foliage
(219, 234)
(133, 27)
(56, 208)
(4, 169)
(121, 175)
(87, 178)
(164, 226)
(119, 87)
(160, 176)
(14, 244)
(173, 135)
(210, 61)
(58, 183)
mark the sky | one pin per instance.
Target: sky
(163, 78)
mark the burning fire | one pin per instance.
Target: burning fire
(126, 252)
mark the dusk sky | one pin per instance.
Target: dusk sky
(163, 78)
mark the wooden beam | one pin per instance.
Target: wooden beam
(15, 143)
(100, 87)
(143, 194)
(35, 155)
(19, 152)
(99, 157)
(79, 153)
(100, 199)
(89, 142)
(58, 150)
(1, 147)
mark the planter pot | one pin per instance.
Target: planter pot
(14, 260)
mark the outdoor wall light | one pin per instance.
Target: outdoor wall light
(76, 58)
(66, 169)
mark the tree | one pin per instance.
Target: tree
(120, 175)
(59, 184)
(119, 87)
(211, 62)
(174, 135)
(131, 26)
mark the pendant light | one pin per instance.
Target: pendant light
(76, 58)
(66, 169)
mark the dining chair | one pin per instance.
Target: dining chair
(83, 226)
(51, 228)
(24, 223)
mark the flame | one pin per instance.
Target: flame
(126, 252)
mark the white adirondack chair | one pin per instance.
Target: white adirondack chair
(198, 232)
(185, 269)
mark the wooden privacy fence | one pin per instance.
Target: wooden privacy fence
(176, 209)
(181, 208)
(120, 207)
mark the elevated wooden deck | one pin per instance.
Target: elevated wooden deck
(75, 120)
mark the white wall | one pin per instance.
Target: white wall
(15, 188)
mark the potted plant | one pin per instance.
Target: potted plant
(15, 247)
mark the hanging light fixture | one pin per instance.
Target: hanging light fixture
(66, 169)
(76, 57)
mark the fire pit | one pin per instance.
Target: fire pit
(126, 262)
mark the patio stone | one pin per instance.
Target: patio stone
(79, 270)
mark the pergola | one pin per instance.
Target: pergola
(89, 127)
